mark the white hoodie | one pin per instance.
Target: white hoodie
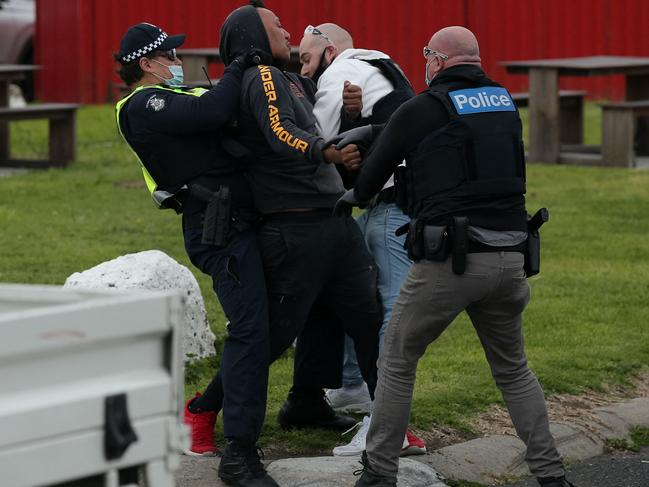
(347, 66)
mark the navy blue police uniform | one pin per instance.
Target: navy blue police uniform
(175, 134)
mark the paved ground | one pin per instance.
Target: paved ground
(481, 460)
(618, 470)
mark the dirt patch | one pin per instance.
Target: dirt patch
(441, 436)
(575, 408)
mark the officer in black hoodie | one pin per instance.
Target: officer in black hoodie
(465, 187)
(316, 265)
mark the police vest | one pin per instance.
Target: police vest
(386, 106)
(473, 166)
(159, 196)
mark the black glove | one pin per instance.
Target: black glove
(361, 136)
(346, 202)
(253, 57)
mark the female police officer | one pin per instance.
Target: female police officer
(174, 133)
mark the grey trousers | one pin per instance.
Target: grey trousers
(494, 292)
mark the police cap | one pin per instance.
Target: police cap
(143, 38)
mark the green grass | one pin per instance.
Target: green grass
(585, 326)
(640, 436)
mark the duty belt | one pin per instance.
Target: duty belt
(437, 242)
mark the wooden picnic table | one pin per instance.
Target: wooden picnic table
(195, 58)
(61, 119)
(544, 123)
(9, 73)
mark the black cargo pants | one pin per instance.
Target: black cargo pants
(322, 283)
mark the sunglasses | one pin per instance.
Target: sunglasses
(430, 52)
(316, 32)
(170, 54)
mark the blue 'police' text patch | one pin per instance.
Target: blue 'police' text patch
(482, 100)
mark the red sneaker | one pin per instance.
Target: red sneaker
(412, 445)
(201, 426)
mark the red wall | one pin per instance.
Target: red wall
(75, 38)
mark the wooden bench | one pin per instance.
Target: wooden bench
(571, 114)
(619, 130)
(62, 133)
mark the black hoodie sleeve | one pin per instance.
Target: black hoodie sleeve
(272, 104)
(408, 126)
(168, 112)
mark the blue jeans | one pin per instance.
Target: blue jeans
(378, 225)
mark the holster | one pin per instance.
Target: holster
(414, 240)
(217, 216)
(436, 242)
(532, 264)
(430, 242)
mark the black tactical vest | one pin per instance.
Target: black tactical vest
(473, 166)
(385, 107)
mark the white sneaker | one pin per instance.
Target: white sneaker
(350, 399)
(357, 444)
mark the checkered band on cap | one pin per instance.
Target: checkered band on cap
(146, 49)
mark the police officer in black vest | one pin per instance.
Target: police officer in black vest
(175, 133)
(463, 187)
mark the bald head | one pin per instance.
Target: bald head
(339, 36)
(335, 36)
(321, 48)
(458, 43)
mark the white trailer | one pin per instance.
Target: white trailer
(91, 387)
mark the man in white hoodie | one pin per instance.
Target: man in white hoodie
(342, 74)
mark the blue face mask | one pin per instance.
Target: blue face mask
(177, 74)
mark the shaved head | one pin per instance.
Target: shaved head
(339, 36)
(458, 43)
(448, 47)
(320, 47)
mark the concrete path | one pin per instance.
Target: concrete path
(613, 470)
(303, 472)
(483, 460)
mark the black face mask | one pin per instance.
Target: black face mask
(321, 67)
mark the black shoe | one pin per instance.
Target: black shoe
(370, 477)
(240, 466)
(311, 410)
(554, 482)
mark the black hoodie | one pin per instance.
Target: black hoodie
(240, 32)
(277, 126)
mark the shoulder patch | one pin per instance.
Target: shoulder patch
(482, 100)
(154, 103)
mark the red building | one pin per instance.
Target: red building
(75, 39)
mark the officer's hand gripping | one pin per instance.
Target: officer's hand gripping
(254, 57)
(360, 136)
(346, 202)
